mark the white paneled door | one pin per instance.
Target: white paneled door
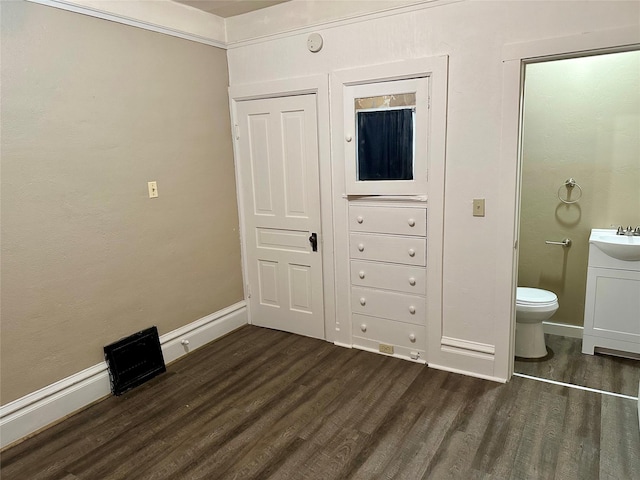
(280, 189)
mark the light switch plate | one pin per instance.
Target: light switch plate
(153, 189)
(478, 207)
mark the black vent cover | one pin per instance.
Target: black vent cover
(134, 360)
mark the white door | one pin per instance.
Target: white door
(280, 189)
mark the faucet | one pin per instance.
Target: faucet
(628, 231)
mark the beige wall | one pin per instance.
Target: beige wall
(91, 111)
(582, 120)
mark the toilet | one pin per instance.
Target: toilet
(533, 306)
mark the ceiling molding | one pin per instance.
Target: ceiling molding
(86, 8)
(164, 20)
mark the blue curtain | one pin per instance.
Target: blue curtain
(385, 145)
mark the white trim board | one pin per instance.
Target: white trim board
(114, 16)
(564, 329)
(43, 407)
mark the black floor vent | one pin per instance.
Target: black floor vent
(134, 360)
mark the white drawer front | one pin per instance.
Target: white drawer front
(389, 332)
(395, 306)
(407, 250)
(395, 220)
(390, 276)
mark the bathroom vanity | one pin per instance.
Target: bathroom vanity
(612, 301)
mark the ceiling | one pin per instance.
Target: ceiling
(229, 8)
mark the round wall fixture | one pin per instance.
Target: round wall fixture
(314, 42)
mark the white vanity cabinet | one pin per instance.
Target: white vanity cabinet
(387, 250)
(612, 301)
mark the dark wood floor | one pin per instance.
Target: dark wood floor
(266, 404)
(566, 363)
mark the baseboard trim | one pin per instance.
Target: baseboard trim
(467, 373)
(564, 329)
(467, 346)
(28, 414)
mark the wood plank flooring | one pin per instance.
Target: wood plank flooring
(261, 404)
(568, 364)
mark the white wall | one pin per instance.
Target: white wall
(473, 35)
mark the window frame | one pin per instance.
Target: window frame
(418, 185)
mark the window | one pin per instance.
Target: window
(385, 137)
(389, 121)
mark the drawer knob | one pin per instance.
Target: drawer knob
(361, 273)
(363, 327)
(412, 252)
(361, 247)
(359, 219)
(412, 337)
(348, 137)
(412, 310)
(363, 301)
(412, 222)
(412, 281)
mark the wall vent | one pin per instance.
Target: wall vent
(134, 360)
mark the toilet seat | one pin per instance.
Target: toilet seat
(532, 297)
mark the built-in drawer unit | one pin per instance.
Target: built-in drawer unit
(393, 220)
(384, 304)
(389, 276)
(387, 255)
(388, 248)
(379, 330)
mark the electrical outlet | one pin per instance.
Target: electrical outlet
(153, 189)
(478, 207)
(386, 348)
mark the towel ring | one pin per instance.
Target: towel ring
(569, 184)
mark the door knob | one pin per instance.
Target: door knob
(314, 241)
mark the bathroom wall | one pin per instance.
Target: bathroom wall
(581, 120)
(91, 111)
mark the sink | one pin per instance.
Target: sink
(622, 247)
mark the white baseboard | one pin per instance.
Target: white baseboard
(467, 373)
(43, 407)
(564, 329)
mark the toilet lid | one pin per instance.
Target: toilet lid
(534, 296)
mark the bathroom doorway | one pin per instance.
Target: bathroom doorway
(580, 169)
